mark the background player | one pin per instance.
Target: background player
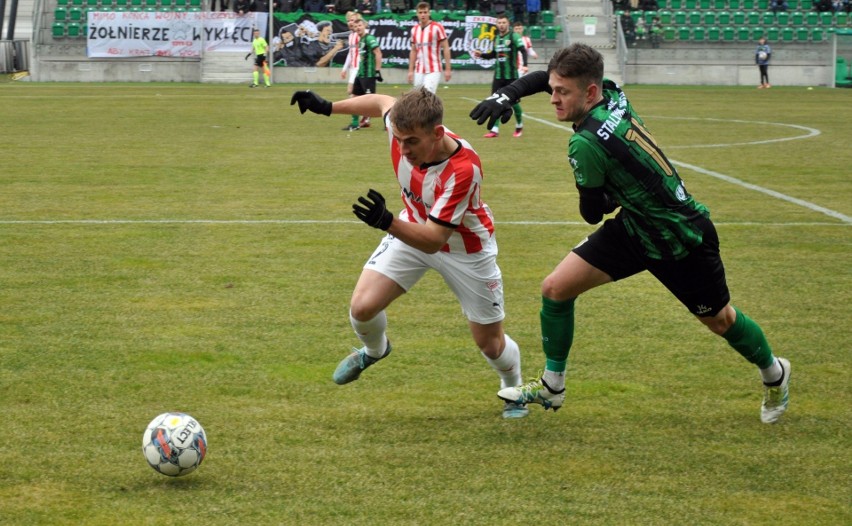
(507, 46)
(424, 61)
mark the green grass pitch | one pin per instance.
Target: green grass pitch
(173, 247)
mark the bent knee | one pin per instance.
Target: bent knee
(721, 322)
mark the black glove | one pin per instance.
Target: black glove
(374, 212)
(497, 106)
(308, 100)
(379, 76)
(247, 56)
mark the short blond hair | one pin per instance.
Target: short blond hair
(418, 109)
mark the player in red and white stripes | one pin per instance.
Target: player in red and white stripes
(444, 226)
(428, 42)
(518, 27)
(350, 67)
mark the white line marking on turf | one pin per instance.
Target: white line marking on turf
(811, 132)
(767, 191)
(338, 222)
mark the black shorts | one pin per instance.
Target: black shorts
(259, 60)
(364, 86)
(500, 83)
(697, 280)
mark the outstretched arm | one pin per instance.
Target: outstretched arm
(374, 105)
(499, 105)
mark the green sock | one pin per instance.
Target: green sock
(748, 339)
(354, 121)
(519, 114)
(255, 75)
(557, 332)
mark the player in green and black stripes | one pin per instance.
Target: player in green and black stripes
(660, 227)
(507, 45)
(369, 66)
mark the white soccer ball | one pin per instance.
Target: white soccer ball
(762, 55)
(174, 444)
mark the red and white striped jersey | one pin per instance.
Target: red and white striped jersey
(427, 44)
(352, 59)
(530, 52)
(447, 193)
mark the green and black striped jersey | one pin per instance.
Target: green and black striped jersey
(612, 149)
(506, 48)
(366, 58)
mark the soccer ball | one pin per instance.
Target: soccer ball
(762, 55)
(174, 444)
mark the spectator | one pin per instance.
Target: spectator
(288, 6)
(533, 9)
(485, 7)
(343, 6)
(778, 5)
(640, 29)
(242, 7)
(224, 5)
(519, 10)
(823, 6)
(629, 28)
(365, 7)
(656, 32)
(314, 6)
(648, 5)
(398, 6)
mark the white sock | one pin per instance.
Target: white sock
(372, 333)
(773, 373)
(554, 380)
(508, 364)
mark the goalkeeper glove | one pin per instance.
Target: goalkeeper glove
(374, 212)
(497, 106)
(379, 76)
(308, 100)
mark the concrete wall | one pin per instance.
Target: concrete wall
(131, 70)
(793, 64)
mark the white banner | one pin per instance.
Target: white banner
(169, 34)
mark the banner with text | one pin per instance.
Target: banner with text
(167, 34)
(318, 39)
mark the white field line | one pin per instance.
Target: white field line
(809, 132)
(343, 222)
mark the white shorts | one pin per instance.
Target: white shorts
(475, 279)
(427, 80)
(353, 73)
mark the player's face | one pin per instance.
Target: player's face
(519, 30)
(503, 25)
(423, 16)
(419, 146)
(570, 101)
(361, 27)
